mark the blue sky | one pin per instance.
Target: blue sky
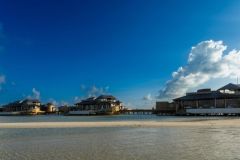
(68, 50)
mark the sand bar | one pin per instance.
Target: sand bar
(224, 122)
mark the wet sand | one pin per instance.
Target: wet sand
(222, 122)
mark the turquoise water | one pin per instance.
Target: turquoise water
(118, 143)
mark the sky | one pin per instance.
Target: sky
(139, 51)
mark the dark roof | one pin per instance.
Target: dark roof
(93, 100)
(206, 96)
(86, 102)
(90, 100)
(31, 100)
(204, 90)
(19, 103)
(106, 97)
(15, 103)
(230, 86)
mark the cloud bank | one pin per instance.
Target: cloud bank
(206, 61)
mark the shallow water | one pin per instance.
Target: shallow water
(60, 118)
(140, 143)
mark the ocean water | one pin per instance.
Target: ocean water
(118, 143)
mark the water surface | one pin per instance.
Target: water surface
(140, 143)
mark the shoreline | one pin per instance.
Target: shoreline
(150, 124)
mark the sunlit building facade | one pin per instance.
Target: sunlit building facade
(104, 104)
(225, 100)
(27, 106)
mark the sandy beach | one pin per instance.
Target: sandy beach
(224, 122)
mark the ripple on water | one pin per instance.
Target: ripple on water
(123, 143)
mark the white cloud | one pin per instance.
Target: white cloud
(148, 97)
(77, 99)
(148, 101)
(2, 80)
(53, 101)
(64, 103)
(206, 62)
(35, 94)
(128, 105)
(94, 91)
(83, 87)
(90, 91)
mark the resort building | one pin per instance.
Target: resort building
(104, 104)
(27, 106)
(165, 108)
(63, 109)
(224, 101)
(49, 108)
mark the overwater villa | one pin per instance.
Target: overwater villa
(224, 101)
(24, 107)
(49, 108)
(104, 104)
(165, 108)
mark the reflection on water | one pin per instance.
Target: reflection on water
(170, 143)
